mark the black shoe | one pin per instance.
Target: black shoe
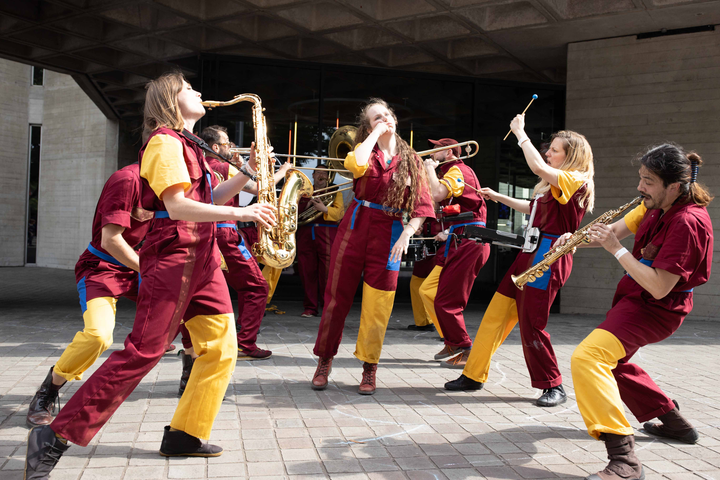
(44, 450)
(422, 328)
(45, 404)
(552, 397)
(181, 444)
(187, 365)
(464, 384)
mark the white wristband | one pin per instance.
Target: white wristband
(620, 253)
(523, 140)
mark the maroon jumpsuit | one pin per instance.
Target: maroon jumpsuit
(181, 278)
(679, 242)
(461, 262)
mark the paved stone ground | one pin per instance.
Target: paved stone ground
(272, 424)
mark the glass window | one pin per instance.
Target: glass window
(38, 75)
(33, 191)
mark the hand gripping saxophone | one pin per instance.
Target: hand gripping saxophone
(580, 236)
(276, 246)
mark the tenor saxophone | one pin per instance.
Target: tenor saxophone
(580, 236)
(276, 246)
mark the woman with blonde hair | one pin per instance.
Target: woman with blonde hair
(181, 278)
(389, 179)
(561, 198)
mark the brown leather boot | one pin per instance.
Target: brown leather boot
(367, 386)
(320, 379)
(43, 406)
(187, 365)
(673, 426)
(624, 465)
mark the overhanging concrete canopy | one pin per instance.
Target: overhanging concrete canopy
(113, 47)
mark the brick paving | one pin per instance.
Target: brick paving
(272, 425)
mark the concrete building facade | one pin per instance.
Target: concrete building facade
(78, 152)
(625, 94)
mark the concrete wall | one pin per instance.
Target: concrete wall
(78, 153)
(625, 94)
(14, 111)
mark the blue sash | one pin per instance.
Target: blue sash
(649, 263)
(376, 206)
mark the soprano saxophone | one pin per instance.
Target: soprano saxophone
(276, 246)
(580, 236)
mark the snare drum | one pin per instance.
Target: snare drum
(416, 252)
(419, 250)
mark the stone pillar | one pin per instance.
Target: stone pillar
(78, 154)
(14, 132)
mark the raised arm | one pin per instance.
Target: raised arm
(533, 158)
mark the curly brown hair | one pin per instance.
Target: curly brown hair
(409, 164)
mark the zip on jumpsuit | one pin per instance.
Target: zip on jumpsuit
(181, 278)
(362, 248)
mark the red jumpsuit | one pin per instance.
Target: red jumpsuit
(362, 248)
(679, 242)
(457, 263)
(243, 273)
(314, 243)
(181, 278)
(97, 273)
(558, 211)
(101, 279)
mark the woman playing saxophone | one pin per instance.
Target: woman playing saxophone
(561, 198)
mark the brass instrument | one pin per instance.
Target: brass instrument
(580, 236)
(276, 246)
(341, 143)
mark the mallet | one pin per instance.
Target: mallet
(534, 97)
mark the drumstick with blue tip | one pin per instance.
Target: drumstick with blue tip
(534, 97)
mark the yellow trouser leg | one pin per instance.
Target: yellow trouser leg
(428, 290)
(497, 323)
(422, 318)
(271, 276)
(596, 390)
(376, 309)
(214, 340)
(88, 345)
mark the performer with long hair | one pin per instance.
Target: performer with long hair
(671, 256)
(389, 179)
(565, 191)
(181, 278)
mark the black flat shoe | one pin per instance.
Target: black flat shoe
(552, 397)
(180, 444)
(422, 328)
(44, 450)
(464, 384)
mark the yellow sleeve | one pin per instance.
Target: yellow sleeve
(336, 210)
(454, 182)
(163, 164)
(351, 164)
(232, 171)
(569, 183)
(633, 219)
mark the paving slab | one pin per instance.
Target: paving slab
(272, 425)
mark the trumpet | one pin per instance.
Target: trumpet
(580, 236)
